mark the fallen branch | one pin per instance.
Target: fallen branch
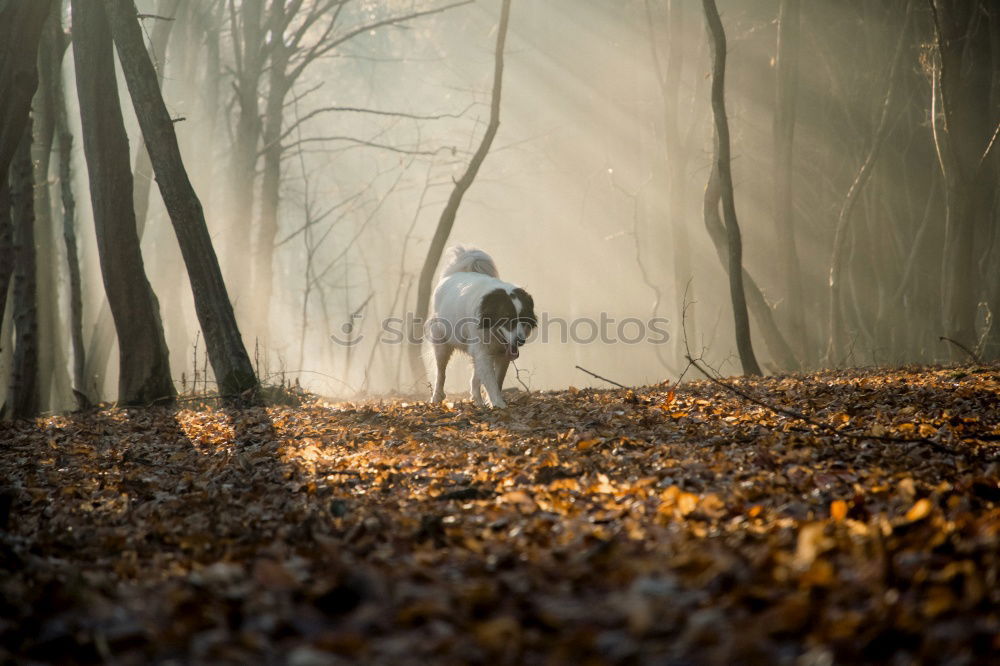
(972, 354)
(610, 381)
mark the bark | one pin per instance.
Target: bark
(53, 366)
(67, 201)
(761, 310)
(964, 75)
(144, 372)
(227, 354)
(447, 219)
(23, 398)
(786, 98)
(143, 172)
(102, 341)
(717, 38)
(6, 249)
(21, 24)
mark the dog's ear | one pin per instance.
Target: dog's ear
(496, 308)
(527, 314)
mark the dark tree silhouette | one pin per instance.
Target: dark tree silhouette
(23, 397)
(717, 37)
(21, 24)
(144, 372)
(233, 371)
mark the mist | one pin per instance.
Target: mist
(591, 197)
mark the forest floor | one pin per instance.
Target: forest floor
(583, 526)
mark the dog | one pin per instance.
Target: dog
(479, 314)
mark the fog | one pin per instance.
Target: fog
(591, 196)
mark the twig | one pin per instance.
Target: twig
(610, 381)
(517, 376)
(972, 354)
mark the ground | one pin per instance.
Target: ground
(660, 525)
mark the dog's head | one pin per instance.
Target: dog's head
(507, 318)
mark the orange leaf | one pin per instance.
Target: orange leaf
(919, 511)
(838, 510)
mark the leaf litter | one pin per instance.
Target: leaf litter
(656, 525)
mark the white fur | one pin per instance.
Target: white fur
(468, 276)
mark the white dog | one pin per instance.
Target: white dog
(476, 312)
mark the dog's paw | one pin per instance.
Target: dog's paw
(478, 401)
(499, 404)
(437, 397)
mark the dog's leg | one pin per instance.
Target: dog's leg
(441, 354)
(500, 365)
(484, 369)
(476, 388)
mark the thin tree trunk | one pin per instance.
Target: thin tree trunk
(248, 38)
(21, 24)
(267, 226)
(72, 252)
(230, 361)
(144, 372)
(761, 310)
(786, 98)
(447, 219)
(101, 341)
(23, 397)
(143, 172)
(717, 36)
(837, 332)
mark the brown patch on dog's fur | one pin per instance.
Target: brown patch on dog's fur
(496, 309)
(528, 307)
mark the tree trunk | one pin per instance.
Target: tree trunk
(68, 207)
(447, 219)
(143, 172)
(6, 249)
(144, 372)
(761, 310)
(243, 170)
(837, 341)
(717, 38)
(21, 24)
(964, 74)
(786, 97)
(54, 382)
(23, 398)
(102, 341)
(68, 201)
(230, 362)
(267, 227)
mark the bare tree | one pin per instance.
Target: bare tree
(23, 395)
(233, 371)
(447, 219)
(864, 173)
(717, 36)
(144, 372)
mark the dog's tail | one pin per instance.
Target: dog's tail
(460, 259)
